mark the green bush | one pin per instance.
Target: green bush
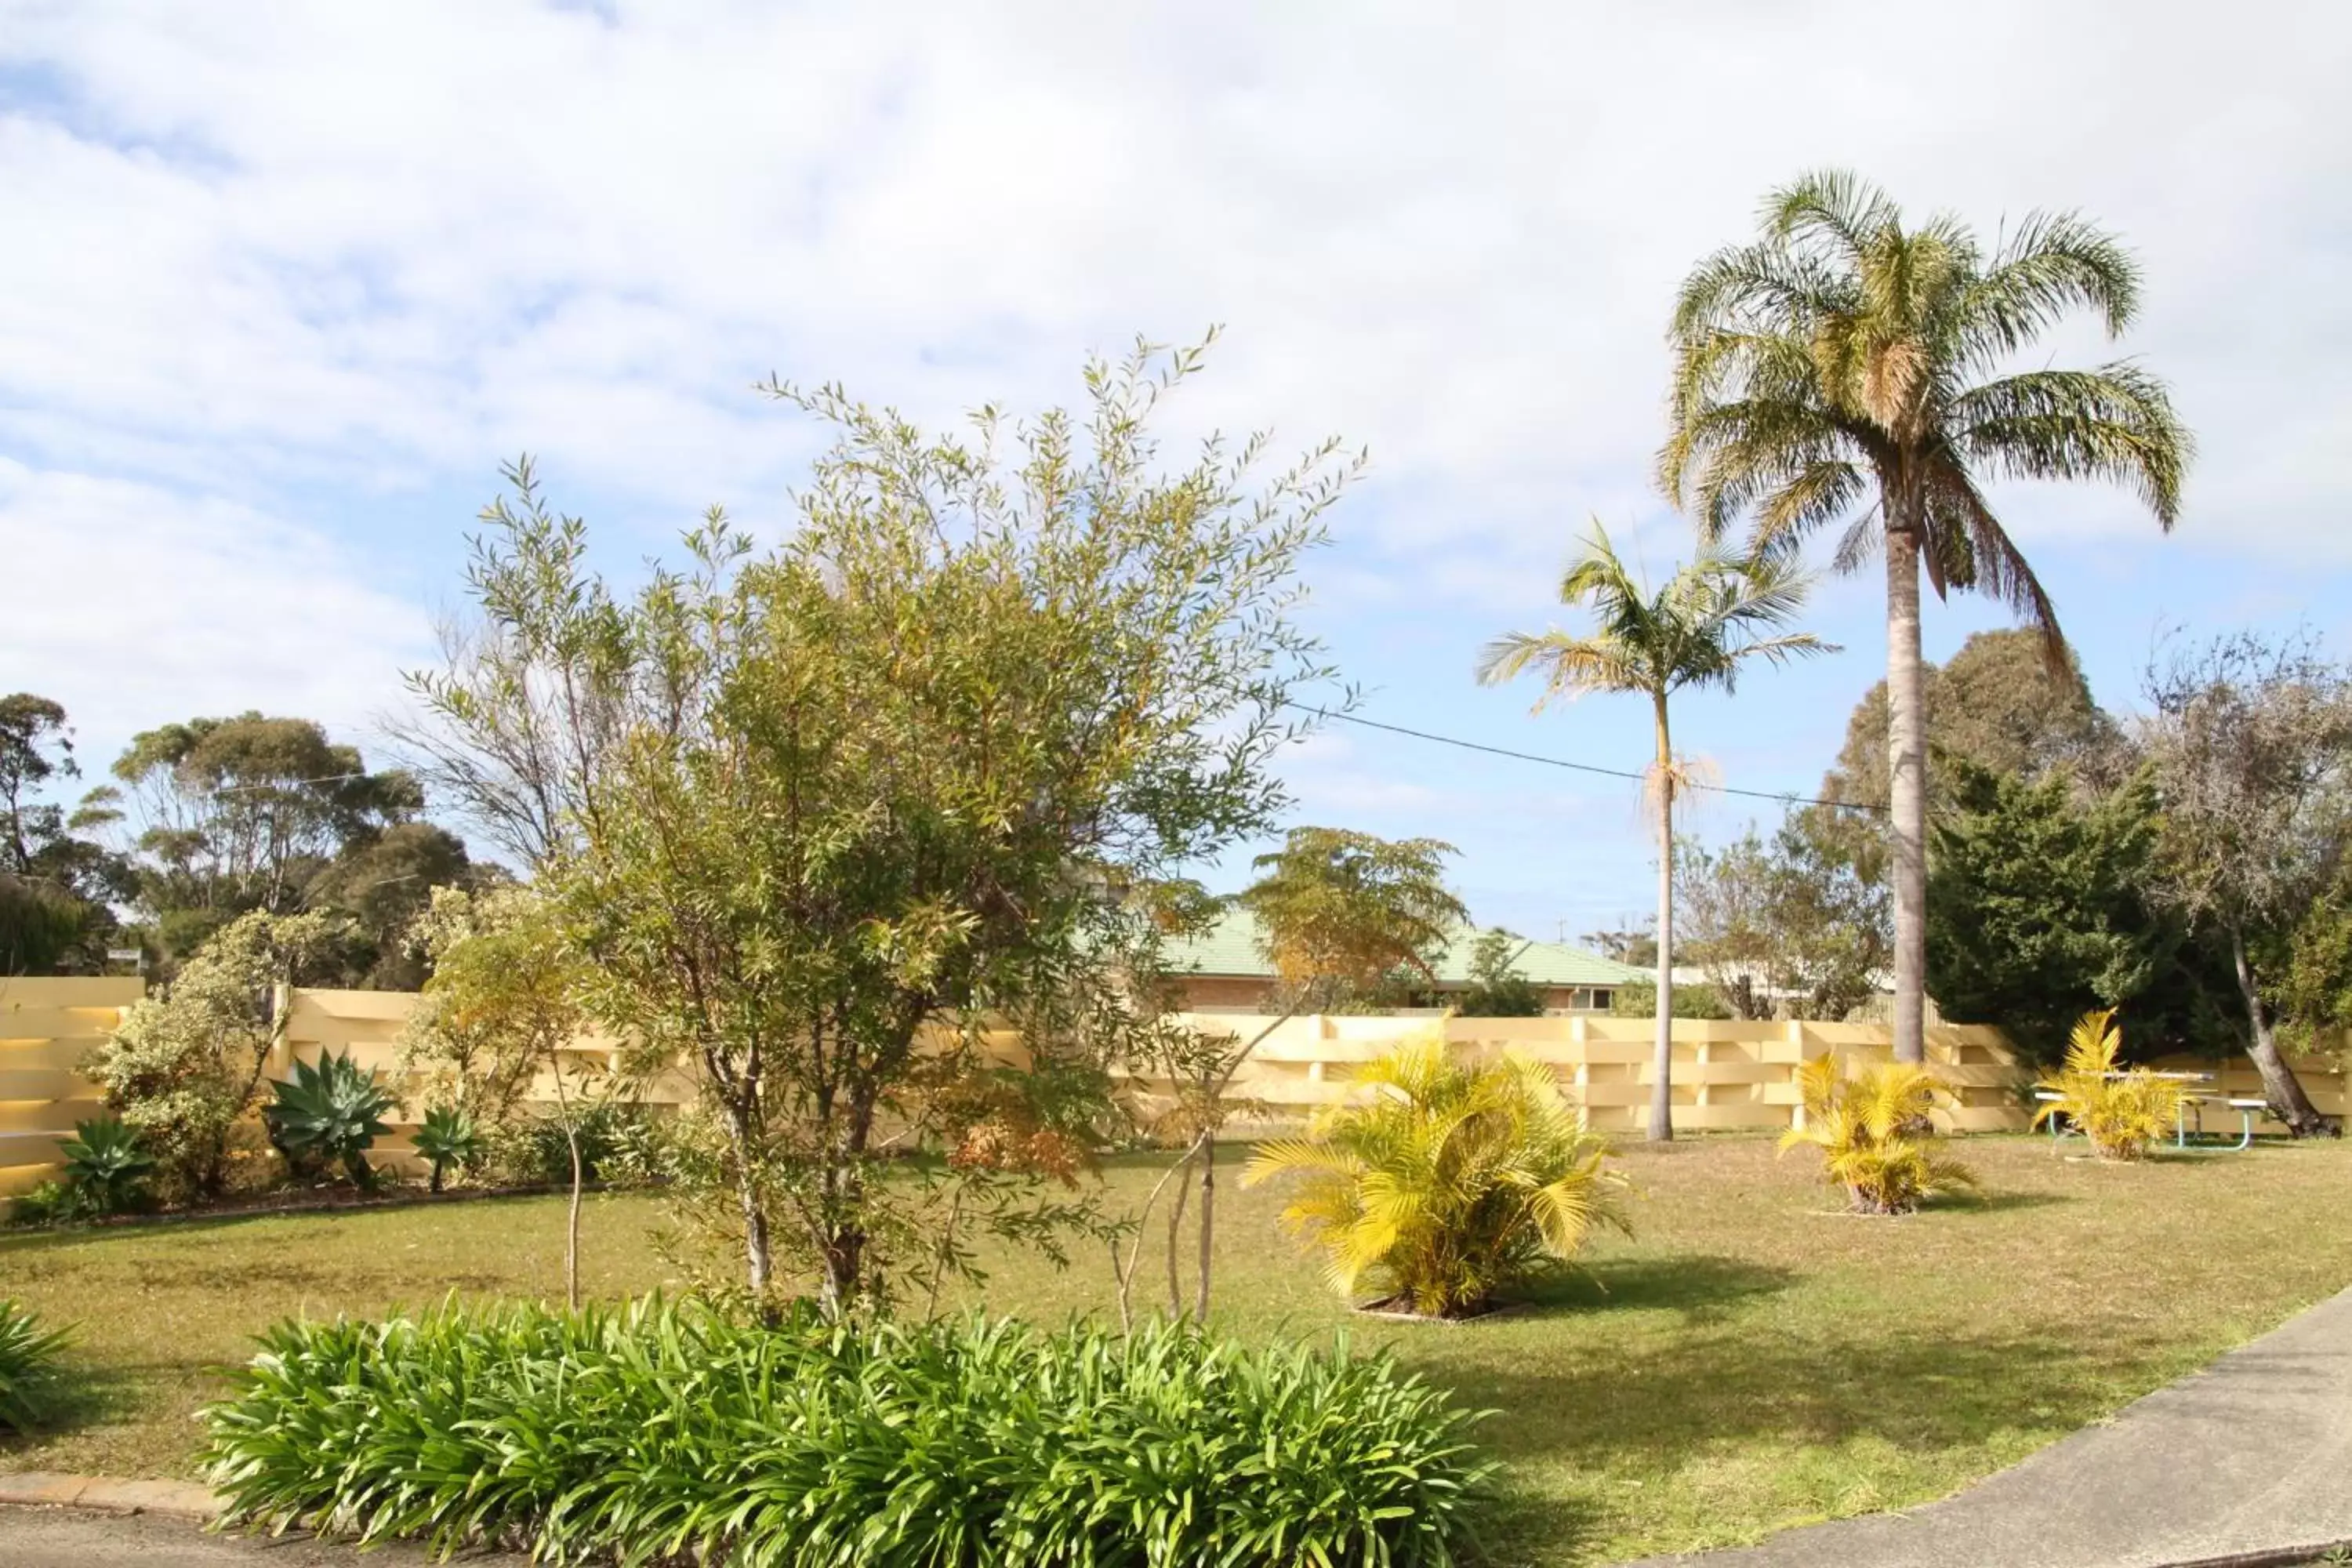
(50, 1203)
(616, 1141)
(1698, 1000)
(28, 1355)
(666, 1433)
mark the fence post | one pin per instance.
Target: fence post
(1577, 1036)
(1797, 1038)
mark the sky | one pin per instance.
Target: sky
(281, 287)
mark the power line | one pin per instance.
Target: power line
(1577, 767)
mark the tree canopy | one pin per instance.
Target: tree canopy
(2040, 910)
(229, 815)
(2249, 739)
(1339, 913)
(909, 766)
(57, 886)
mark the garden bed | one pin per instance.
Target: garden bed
(1735, 1369)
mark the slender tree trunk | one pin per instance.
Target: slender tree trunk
(572, 1142)
(1662, 1077)
(1906, 764)
(2279, 1086)
(1208, 1218)
(755, 1230)
(572, 1225)
(1175, 1231)
(747, 1192)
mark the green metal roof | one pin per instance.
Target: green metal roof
(1231, 947)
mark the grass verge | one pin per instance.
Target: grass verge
(1752, 1360)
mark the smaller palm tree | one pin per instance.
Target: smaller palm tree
(2121, 1114)
(1711, 618)
(1874, 1135)
(1451, 1185)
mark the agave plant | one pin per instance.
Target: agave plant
(1874, 1135)
(28, 1355)
(105, 1166)
(330, 1114)
(2122, 1114)
(448, 1137)
(1452, 1184)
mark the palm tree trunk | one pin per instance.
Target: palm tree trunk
(2288, 1101)
(1662, 1075)
(1907, 763)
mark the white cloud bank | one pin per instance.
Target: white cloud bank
(260, 252)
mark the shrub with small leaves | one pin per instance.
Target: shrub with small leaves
(28, 1354)
(50, 1203)
(664, 1433)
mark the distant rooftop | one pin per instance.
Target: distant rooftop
(1231, 947)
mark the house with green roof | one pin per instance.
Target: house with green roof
(1226, 969)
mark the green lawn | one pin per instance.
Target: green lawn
(1752, 1361)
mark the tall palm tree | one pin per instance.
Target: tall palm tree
(1712, 616)
(1842, 369)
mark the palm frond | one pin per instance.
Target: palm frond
(1834, 206)
(2115, 423)
(2055, 264)
(1995, 566)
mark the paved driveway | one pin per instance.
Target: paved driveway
(69, 1538)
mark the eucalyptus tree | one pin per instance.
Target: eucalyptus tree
(1845, 369)
(1711, 618)
(2249, 740)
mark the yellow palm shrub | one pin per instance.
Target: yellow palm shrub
(1450, 1185)
(1874, 1136)
(2122, 1114)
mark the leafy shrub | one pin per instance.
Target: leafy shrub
(449, 1138)
(28, 1355)
(51, 1203)
(1874, 1135)
(185, 1068)
(667, 1433)
(106, 1167)
(1640, 1000)
(1496, 990)
(2121, 1113)
(1453, 1183)
(329, 1114)
(616, 1139)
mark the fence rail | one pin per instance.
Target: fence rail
(1726, 1076)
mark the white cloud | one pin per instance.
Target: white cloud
(264, 253)
(135, 606)
(444, 232)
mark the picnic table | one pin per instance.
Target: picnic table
(2247, 1110)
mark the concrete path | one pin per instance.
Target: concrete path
(2244, 1461)
(78, 1538)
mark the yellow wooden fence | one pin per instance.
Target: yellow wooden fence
(1728, 1076)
